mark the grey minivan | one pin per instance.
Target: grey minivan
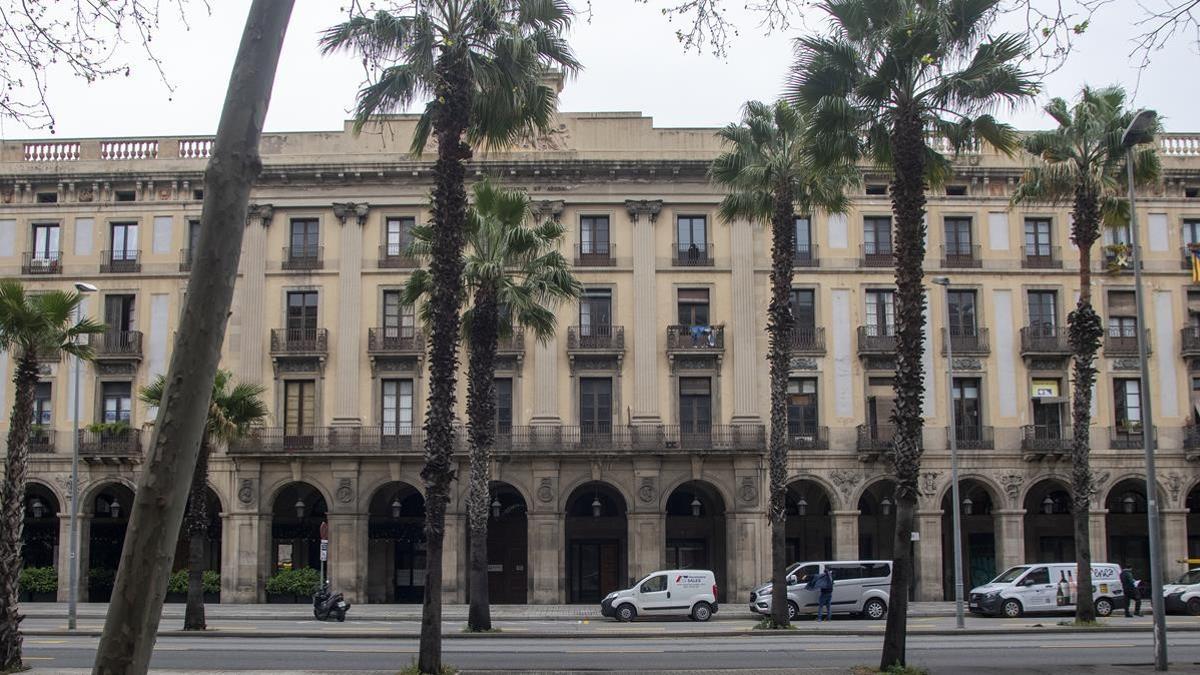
(859, 587)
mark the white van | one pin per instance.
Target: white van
(690, 593)
(859, 587)
(1048, 587)
(1183, 596)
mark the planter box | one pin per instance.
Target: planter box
(176, 597)
(288, 599)
(181, 598)
(212, 598)
(40, 596)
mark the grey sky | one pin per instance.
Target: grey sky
(631, 58)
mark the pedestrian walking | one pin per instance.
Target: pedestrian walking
(1132, 596)
(824, 586)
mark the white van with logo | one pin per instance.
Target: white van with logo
(690, 593)
(1046, 587)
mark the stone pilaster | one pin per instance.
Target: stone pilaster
(1175, 538)
(344, 553)
(349, 315)
(64, 558)
(1010, 539)
(1098, 533)
(245, 559)
(545, 374)
(928, 563)
(744, 322)
(845, 534)
(546, 559)
(647, 544)
(748, 537)
(454, 588)
(646, 326)
(249, 294)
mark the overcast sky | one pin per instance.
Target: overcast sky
(631, 58)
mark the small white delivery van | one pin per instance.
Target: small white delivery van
(690, 593)
(1048, 587)
(1183, 596)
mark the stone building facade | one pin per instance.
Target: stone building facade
(634, 439)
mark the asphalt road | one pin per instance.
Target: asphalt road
(940, 654)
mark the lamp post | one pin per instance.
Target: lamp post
(952, 436)
(73, 556)
(1139, 131)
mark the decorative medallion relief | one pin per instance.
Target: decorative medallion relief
(748, 492)
(345, 491)
(1125, 364)
(845, 480)
(967, 364)
(879, 363)
(646, 491)
(1012, 482)
(545, 491)
(803, 363)
(246, 491)
(928, 485)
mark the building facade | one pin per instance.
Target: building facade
(635, 438)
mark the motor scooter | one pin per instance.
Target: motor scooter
(327, 605)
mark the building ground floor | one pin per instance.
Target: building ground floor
(570, 529)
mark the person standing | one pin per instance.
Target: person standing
(1132, 595)
(824, 586)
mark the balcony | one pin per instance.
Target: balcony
(42, 262)
(874, 440)
(961, 257)
(394, 257)
(1042, 258)
(596, 339)
(807, 340)
(1189, 340)
(361, 440)
(1045, 441)
(967, 342)
(877, 256)
(299, 341)
(715, 437)
(696, 339)
(1124, 345)
(1043, 340)
(185, 259)
(974, 438)
(604, 439)
(807, 438)
(121, 262)
(395, 340)
(1126, 437)
(693, 255)
(123, 344)
(876, 339)
(511, 345)
(303, 258)
(41, 441)
(1186, 258)
(1191, 442)
(805, 255)
(594, 255)
(110, 446)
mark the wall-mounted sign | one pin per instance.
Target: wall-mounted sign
(1045, 389)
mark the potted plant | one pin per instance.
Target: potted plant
(177, 586)
(100, 584)
(293, 585)
(38, 584)
(212, 586)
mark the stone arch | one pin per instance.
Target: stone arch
(1036, 482)
(39, 534)
(876, 505)
(211, 542)
(568, 492)
(297, 509)
(265, 505)
(1125, 525)
(62, 499)
(596, 533)
(996, 493)
(104, 534)
(1049, 525)
(718, 488)
(695, 528)
(1129, 478)
(395, 542)
(980, 527)
(809, 529)
(835, 497)
(378, 481)
(93, 488)
(507, 545)
(857, 493)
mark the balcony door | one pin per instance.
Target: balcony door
(595, 313)
(119, 319)
(881, 313)
(595, 406)
(305, 237)
(396, 415)
(958, 237)
(593, 236)
(299, 413)
(1037, 238)
(877, 236)
(802, 408)
(46, 241)
(803, 233)
(693, 307)
(399, 319)
(502, 389)
(962, 313)
(1047, 413)
(693, 235)
(1043, 313)
(124, 242)
(967, 414)
(695, 405)
(1127, 405)
(301, 316)
(398, 236)
(117, 401)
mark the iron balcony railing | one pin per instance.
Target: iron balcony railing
(395, 340)
(597, 338)
(395, 256)
(41, 441)
(116, 343)
(875, 438)
(1186, 262)
(1041, 258)
(110, 444)
(876, 255)
(693, 255)
(974, 437)
(695, 338)
(1189, 340)
(876, 339)
(1126, 437)
(965, 257)
(513, 343)
(42, 262)
(595, 254)
(1191, 442)
(303, 257)
(185, 259)
(807, 437)
(1045, 439)
(299, 341)
(967, 341)
(121, 262)
(1044, 339)
(807, 340)
(805, 255)
(1124, 344)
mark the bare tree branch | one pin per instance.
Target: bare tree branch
(89, 38)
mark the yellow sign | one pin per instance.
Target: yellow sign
(1045, 389)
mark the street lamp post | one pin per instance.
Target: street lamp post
(73, 547)
(1141, 130)
(959, 619)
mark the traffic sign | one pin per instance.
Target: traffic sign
(324, 550)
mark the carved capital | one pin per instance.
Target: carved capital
(344, 210)
(548, 209)
(261, 212)
(643, 207)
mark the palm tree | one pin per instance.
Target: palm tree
(515, 275)
(770, 169)
(31, 325)
(886, 76)
(230, 415)
(1083, 163)
(481, 63)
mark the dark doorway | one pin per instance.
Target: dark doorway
(695, 530)
(1049, 528)
(1128, 540)
(106, 537)
(809, 523)
(396, 560)
(296, 521)
(596, 543)
(978, 537)
(508, 569)
(39, 536)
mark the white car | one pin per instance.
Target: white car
(1184, 594)
(1046, 587)
(690, 593)
(859, 587)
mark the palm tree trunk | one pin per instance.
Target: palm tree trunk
(908, 209)
(196, 525)
(449, 216)
(1084, 329)
(12, 510)
(136, 606)
(779, 328)
(481, 417)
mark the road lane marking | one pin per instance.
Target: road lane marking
(621, 650)
(45, 642)
(372, 650)
(841, 649)
(38, 658)
(1087, 645)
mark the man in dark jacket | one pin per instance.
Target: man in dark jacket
(824, 586)
(1132, 596)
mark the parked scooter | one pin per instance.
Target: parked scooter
(328, 605)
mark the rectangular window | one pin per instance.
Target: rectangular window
(595, 313)
(962, 313)
(1122, 314)
(304, 237)
(877, 235)
(881, 313)
(503, 388)
(692, 231)
(396, 416)
(804, 309)
(302, 315)
(46, 245)
(119, 313)
(398, 235)
(1191, 231)
(1043, 312)
(299, 408)
(1037, 238)
(593, 235)
(803, 232)
(117, 401)
(399, 319)
(958, 237)
(802, 414)
(1047, 410)
(124, 241)
(693, 307)
(43, 407)
(967, 412)
(595, 405)
(193, 239)
(1117, 235)
(1127, 404)
(695, 405)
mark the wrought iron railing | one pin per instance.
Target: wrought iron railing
(876, 255)
(1124, 344)
(593, 337)
(42, 262)
(595, 254)
(110, 444)
(805, 255)
(299, 341)
(395, 340)
(116, 343)
(120, 262)
(1043, 339)
(698, 338)
(303, 257)
(807, 340)
(693, 255)
(966, 257)
(967, 341)
(876, 339)
(1041, 258)
(396, 257)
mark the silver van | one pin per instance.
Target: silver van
(859, 587)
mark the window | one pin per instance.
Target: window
(956, 190)
(594, 235)
(805, 573)
(198, 195)
(1191, 231)
(1127, 404)
(399, 319)
(301, 315)
(299, 407)
(876, 189)
(958, 237)
(1043, 312)
(124, 241)
(877, 236)
(881, 313)
(655, 584)
(398, 235)
(193, 237)
(1117, 235)
(43, 407)
(1039, 576)
(46, 241)
(126, 196)
(967, 414)
(1047, 411)
(595, 313)
(695, 405)
(119, 313)
(47, 197)
(804, 312)
(1037, 238)
(305, 237)
(962, 313)
(503, 390)
(802, 416)
(693, 232)
(693, 307)
(1122, 318)
(595, 405)
(803, 232)
(396, 415)
(116, 401)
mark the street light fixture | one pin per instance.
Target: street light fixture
(495, 507)
(37, 507)
(885, 506)
(83, 288)
(952, 437)
(596, 506)
(114, 509)
(1141, 130)
(396, 506)
(299, 506)
(967, 506)
(1048, 505)
(802, 506)
(695, 507)
(1129, 503)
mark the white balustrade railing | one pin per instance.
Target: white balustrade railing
(1179, 145)
(129, 149)
(52, 152)
(195, 148)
